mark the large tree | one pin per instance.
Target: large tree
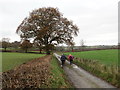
(48, 26)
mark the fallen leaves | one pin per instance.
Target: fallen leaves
(33, 74)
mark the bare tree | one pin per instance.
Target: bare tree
(5, 43)
(48, 26)
(82, 44)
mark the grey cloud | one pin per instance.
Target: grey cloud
(93, 17)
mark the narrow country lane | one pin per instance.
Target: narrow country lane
(81, 78)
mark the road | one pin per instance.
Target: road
(81, 78)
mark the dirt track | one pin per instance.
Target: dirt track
(82, 79)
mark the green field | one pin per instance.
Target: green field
(10, 60)
(107, 57)
(101, 63)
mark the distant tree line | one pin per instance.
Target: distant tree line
(16, 46)
(21, 46)
(85, 48)
(27, 46)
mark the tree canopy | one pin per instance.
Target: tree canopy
(5, 43)
(48, 26)
(25, 45)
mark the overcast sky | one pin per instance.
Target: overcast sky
(97, 19)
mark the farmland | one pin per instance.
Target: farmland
(39, 73)
(10, 60)
(102, 63)
(107, 57)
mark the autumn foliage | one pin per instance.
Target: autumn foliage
(33, 74)
(25, 45)
(48, 26)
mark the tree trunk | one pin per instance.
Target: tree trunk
(26, 50)
(72, 49)
(40, 51)
(47, 50)
(5, 49)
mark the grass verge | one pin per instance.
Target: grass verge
(108, 73)
(58, 78)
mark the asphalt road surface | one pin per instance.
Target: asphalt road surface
(81, 78)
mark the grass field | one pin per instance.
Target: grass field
(107, 57)
(101, 63)
(10, 60)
